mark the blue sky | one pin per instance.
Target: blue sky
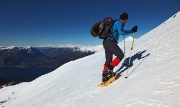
(44, 22)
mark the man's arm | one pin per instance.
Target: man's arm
(121, 31)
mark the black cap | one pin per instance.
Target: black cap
(124, 16)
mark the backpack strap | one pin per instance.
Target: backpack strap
(111, 37)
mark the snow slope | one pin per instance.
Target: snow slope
(154, 77)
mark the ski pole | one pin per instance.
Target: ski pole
(130, 55)
(133, 41)
(132, 47)
(124, 49)
(124, 45)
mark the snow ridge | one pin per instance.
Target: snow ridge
(12, 47)
(74, 47)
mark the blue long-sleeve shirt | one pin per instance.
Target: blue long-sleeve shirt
(118, 29)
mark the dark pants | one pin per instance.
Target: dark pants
(112, 48)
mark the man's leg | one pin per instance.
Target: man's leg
(114, 49)
(109, 57)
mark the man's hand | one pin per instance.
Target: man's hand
(134, 29)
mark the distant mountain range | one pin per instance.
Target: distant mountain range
(51, 57)
(45, 57)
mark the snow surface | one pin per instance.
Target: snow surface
(154, 77)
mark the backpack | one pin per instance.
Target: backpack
(102, 29)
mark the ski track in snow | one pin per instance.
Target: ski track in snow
(154, 77)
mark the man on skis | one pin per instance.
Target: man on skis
(111, 48)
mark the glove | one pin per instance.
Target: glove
(134, 29)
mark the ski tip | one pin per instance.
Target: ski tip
(125, 77)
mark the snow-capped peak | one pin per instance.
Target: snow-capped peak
(12, 47)
(77, 47)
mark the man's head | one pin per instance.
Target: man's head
(123, 17)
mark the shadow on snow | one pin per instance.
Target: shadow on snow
(128, 63)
